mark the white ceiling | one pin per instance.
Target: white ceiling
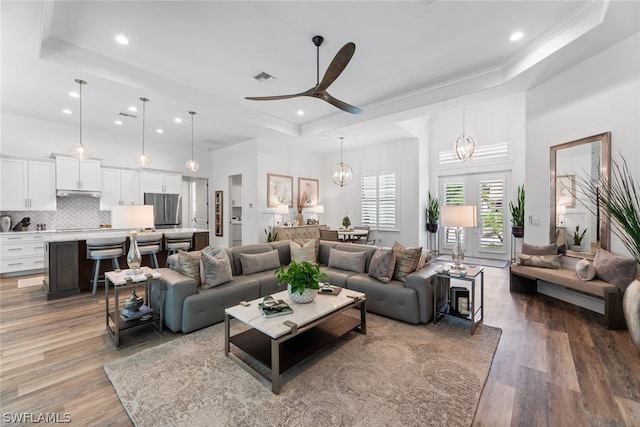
(411, 57)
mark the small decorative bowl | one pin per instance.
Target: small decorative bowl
(134, 302)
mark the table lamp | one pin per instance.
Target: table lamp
(133, 217)
(282, 210)
(458, 217)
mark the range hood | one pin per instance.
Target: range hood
(66, 193)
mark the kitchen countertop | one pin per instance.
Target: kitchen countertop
(81, 234)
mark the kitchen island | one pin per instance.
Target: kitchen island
(62, 255)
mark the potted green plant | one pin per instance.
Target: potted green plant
(272, 236)
(346, 222)
(517, 214)
(302, 279)
(577, 239)
(433, 213)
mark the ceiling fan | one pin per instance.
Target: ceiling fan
(319, 91)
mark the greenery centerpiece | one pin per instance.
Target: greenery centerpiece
(433, 213)
(517, 214)
(346, 222)
(302, 279)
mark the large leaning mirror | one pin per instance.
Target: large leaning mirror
(571, 213)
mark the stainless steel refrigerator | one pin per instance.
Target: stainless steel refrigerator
(167, 209)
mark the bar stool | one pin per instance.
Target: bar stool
(150, 244)
(99, 248)
(176, 240)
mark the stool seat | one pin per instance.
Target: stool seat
(105, 253)
(148, 249)
(150, 244)
(177, 240)
(104, 247)
(174, 246)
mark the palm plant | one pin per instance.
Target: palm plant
(619, 198)
(517, 210)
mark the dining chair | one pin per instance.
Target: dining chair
(329, 235)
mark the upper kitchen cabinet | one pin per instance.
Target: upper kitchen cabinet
(74, 174)
(160, 182)
(119, 187)
(28, 185)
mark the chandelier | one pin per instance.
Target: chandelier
(192, 165)
(80, 151)
(464, 145)
(142, 158)
(341, 173)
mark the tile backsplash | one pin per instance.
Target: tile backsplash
(73, 212)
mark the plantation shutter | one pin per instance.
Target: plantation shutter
(378, 200)
(453, 196)
(368, 200)
(492, 213)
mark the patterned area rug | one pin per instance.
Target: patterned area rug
(396, 375)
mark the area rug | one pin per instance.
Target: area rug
(477, 261)
(396, 375)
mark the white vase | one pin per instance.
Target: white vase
(631, 308)
(307, 296)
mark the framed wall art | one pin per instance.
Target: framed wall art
(218, 213)
(565, 190)
(279, 190)
(309, 188)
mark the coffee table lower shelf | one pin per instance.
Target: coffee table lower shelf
(292, 351)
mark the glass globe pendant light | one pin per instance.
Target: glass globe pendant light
(341, 173)
(80, 151)
(464, 145)
(142, 158)
(192, 165)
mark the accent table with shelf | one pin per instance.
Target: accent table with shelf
(442, 303)
(121, 281)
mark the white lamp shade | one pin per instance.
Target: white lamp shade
(133, 216)
(459, 216)
(282, 209)
(319, 209)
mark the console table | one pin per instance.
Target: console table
(298, 232)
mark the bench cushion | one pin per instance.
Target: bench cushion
(567, 278)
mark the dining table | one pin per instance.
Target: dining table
(352, 235)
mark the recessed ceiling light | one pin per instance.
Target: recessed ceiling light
(177, 120)
(133, 109)
(74, 94)
(122, 39)
(67, 111)
(300, 113)
(159, 131)
(118, 122)
(516, 36)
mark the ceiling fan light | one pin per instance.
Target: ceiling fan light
(192, 165)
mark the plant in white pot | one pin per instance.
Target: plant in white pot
(619, 197)
(302, 279)
(577, 239)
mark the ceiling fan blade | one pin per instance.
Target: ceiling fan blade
(338, 65)
(276, 97)
(341, 104)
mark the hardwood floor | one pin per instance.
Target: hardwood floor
(555, 364)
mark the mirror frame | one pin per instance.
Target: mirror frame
(605, 166)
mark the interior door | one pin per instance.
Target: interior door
(201, 205)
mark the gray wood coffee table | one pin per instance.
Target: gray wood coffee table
(280, 343)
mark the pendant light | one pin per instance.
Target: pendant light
(142, 158)
(80, 151)
(192, 165)
(464, 146)
(341, 173)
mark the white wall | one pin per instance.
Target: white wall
(599, 95)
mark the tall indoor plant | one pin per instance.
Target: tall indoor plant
(433, 213)
(619, 197)
(517, 214)
(302, 279)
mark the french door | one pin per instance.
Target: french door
(487, 191)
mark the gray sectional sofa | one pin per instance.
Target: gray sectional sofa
(189, 307)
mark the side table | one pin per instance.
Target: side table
(443, 306)
(121, 281)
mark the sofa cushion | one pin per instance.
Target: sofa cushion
(544, 261)
(406, 261)
(382, 265)
(585, 270)
(316, 245)
(209, 250)
(551, 249)
(350, 261)
(617, 270)
(217, 269)
(258, 248)
(189, 264)
(303, 251)
(255, 263)
(338, 277)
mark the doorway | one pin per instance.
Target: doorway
(235, 214)
(195, 200)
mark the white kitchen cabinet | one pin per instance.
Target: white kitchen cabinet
(22, 253)
(160, 182)
(119, 187)
(28, 185)
(75, 174)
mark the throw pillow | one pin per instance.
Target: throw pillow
(551, 249)
(209, 251)
(189, 263)
(585, 270)
(255, 263)
(350, 261)
(617, 270)
(425, 258)
(382, 264)
(316, 243)
(544, 261)
(304, 252)
(406, 261)
(217, 269)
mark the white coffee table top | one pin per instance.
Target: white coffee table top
(302, 314)
(119, 277)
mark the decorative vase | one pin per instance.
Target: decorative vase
(5, 223)
(432, 228)
(133, 256)
(134, 302)
(517, 230)
(299, 218)
(631, 308)
(307, 296)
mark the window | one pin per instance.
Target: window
(492, 213)
(484, 152)
(379, 200)
(453, 196)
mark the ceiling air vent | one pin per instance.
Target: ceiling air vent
(263, 77)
